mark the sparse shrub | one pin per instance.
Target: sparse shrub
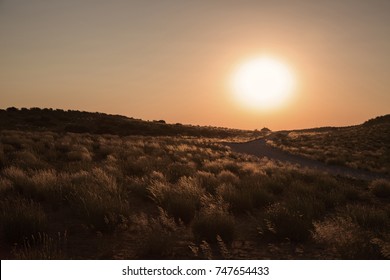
(370, 218)
(95, 198)
(260, 197)
(2, 156)
(20, 218)
(27, 160)
(314, 198)
(20, 180)
(136, 166)
(283, 223)
(5, 185)
(249, 169)
(156, 236)
(343, 239)
(157, 175)
(383, 245)
(212, 166)
(177, 170)
(227, 177)
(277, 181)
(138, 187)
(71, 180)
(308, 207)
(41, 246)
(102, 211)
(256, 188)
(103, 180)
(40, 184)
(212, 223)
(206, 250)
(245, 198)
(380, 188)
(208, 181)
(102, 151)
(232, 167)
(63, 146)
(79, 153)
(12, 138)
(351, 193)
(182, 208)
(152, 148)
(44, 183)
(239, 201)
(181, 201)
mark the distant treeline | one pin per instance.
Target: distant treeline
(99, 123)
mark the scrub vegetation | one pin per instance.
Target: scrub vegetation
(365, 146)
(66, 195)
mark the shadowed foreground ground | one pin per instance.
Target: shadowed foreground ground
(260, 148)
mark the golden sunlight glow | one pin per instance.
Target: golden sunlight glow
(263, 83)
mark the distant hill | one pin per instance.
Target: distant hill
(365, 146)
(36, 119)
(378, 120)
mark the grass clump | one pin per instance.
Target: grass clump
(42, 247)
(95, 197)
(27, 159)
(283, 224)
(370, 218)
(227, 177)
(156, 237)
(380, 188)
(181, 201)
(245, 198)
(2, 156)
(37, 184)
(342, 238)
(5, 185)
(135, 167)
(21, 218)
(19, 178)
(103, 213)
(314, 198)
(208, 181)
(213, 223)
(177, 170)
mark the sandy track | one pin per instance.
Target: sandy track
(260, 148)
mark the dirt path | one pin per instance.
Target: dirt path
(260, 148)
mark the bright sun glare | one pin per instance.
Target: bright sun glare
(263, 83)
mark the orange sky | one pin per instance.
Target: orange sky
(172, 59)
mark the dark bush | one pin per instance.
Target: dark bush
(285, 224)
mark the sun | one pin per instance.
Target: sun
(263, 83)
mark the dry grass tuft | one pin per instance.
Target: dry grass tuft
(212, 223)
(21, 218)
(380, 188)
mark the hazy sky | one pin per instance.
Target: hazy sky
(172, 60)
